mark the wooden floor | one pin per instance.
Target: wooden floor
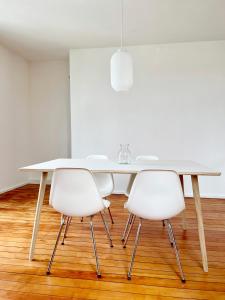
(155, 274)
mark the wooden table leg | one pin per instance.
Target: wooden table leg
(40, 199)
(196, 194)
(184, 222)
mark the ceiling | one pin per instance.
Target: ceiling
(47, 29)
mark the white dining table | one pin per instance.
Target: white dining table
(182, 168)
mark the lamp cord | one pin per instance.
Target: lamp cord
(122, 25)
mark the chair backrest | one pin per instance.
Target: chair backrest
(74, 193)
(104, 181)
(146, 157)
(139, 158)
(156, 195)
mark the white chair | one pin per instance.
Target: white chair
(130, 221)
(75, 194)
(104, 181)
(156, 195)
(141, 159)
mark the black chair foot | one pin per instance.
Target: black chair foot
(62, 243)
(183, 280)
(128, 277)
(111, 246)
(48, 273)
(124, 247)
(99, 275)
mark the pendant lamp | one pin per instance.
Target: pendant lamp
(121, 63)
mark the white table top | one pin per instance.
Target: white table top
(182, 167)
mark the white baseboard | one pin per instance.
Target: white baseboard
(13, 187)
(37, 181)
(218, 196)
(116, 192)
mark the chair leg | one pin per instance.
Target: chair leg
(129, 230)
(107, 229)
(171, 235)
(134, 250)
(66, 229)
(94, 247)
(54, 250)
(110, 216)
(82, 219)
(126, 227)
(63, 219)
(163, 222)
(184, 220)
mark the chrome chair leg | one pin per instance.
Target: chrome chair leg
(107, 230)
(66, 229)
(129, 230)
(110, 216)
(94, 247)
(134, 250)
(171, 235)
(126, 227)
(63, 219)
(54, 250)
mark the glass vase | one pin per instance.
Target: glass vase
(124, 154)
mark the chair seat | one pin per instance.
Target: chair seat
(106, 203)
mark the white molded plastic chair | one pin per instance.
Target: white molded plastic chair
(104, 182)
(139, 158)
(74, 194)
(156, 195)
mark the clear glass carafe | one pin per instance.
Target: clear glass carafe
(124, 154)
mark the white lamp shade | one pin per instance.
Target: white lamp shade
(121, 71)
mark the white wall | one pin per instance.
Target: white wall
(14, 119)
(50, 111)
(34, 115)
(176, 108)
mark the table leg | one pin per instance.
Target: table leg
(184, 222)
(131, 181)
(40, 199)
(196, 194)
